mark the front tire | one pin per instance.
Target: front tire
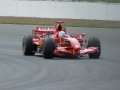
(27, 46)
(94, 42)
(48, 48)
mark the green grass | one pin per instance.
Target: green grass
(68, 22)
(109, 1)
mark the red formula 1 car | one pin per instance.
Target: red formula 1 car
(52, 42)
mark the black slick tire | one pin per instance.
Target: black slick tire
(48, 47)
(94, 42)
(27, 46)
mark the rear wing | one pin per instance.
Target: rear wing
(43, 30)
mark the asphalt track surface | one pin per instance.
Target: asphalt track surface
(19, 72)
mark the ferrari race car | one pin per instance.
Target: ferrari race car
(55, 41)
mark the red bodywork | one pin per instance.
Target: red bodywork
(69, 45)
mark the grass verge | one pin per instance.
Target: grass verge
(108, 1)
(51, 22)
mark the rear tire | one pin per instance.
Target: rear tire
(48, 48)
(94, 42)
(27, 46)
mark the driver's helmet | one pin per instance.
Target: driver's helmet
(61, 34)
